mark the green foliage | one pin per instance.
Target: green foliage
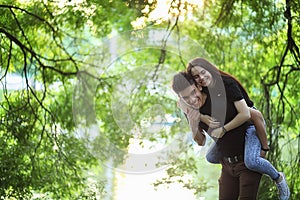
(45, 44)
(188, 170)
(37, 155)
(46, 130)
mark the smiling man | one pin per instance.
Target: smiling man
(184, 86)
(236, 181)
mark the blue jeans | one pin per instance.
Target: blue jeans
(213, 155)
(252, 158)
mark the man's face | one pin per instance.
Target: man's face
(191, 96)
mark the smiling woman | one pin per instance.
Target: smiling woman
(167, 10)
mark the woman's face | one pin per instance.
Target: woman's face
(202, 76)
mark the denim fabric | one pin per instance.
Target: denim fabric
(252, 158)
(253, 161)
(212, 155)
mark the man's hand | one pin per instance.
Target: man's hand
(217, 133)
(194, 119)
(183, 106)
(193, 114)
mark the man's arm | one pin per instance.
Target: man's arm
(193, 117)
(197, 131)
(200, 138)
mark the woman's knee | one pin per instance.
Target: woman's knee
(256, 115)
(212, 158)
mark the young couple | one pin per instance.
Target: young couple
(217, 103)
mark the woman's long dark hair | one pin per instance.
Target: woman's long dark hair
(215, 72)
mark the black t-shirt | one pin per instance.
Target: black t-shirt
(220, 105)
(246, 97)
(244, 93)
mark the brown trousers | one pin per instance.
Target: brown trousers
(237, 182)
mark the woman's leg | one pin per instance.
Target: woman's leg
(213, 155)
(260, 126)
(254, 162)
(252, 159)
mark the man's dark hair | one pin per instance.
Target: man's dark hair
(181, 81)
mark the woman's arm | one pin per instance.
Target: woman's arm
(242, 116)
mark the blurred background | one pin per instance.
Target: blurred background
(87, 110)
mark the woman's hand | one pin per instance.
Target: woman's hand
(217, 133)
(263, 154)
(210, 121)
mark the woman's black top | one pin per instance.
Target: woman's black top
(220, 105)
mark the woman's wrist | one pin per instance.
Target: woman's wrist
(265, 148)
(224, 129)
